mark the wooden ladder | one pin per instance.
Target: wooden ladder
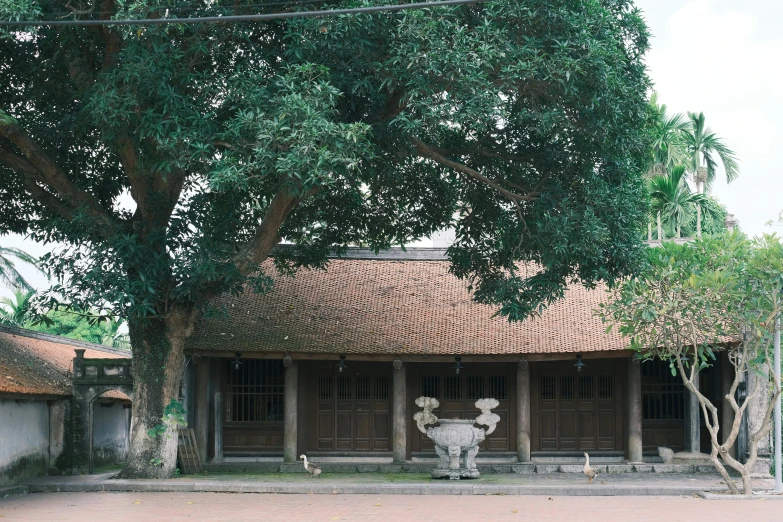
(187, 451)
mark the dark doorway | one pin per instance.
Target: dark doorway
(350, 410)
(577, 411)
(253, 407)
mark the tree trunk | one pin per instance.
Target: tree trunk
(158, 364)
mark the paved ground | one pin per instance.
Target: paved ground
(118, 507)
(573, 484)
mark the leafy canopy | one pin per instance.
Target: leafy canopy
(520, 124)
(695, 297)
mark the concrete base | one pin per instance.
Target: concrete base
(685, 457)
(12, 491)
(425, 467)
(381, 484)
(455, 474)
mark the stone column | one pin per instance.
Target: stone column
(289, 405)
(218, 428)
(757, 409)
(727, 414)
(399, 417)
(201, 407)
(692, 441)
(523, 411)
(635, 444)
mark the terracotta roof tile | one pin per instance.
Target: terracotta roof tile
(35, 364)
(371, 306)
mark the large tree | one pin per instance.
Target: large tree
(692, 301)
(520, 124)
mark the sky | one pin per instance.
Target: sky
(720, 57)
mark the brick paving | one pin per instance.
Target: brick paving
(119, 507)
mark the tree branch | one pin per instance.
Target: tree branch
(425, 151)
(52, 176)
(30, 178)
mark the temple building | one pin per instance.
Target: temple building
(329, 363)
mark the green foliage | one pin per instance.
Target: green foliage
(82, 326)
(692, 297)
(372, 124)
(16, 311)
(9, 275)
(673, 200)
(174, 415)
(704, 149)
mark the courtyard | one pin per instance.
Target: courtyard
(229, 506)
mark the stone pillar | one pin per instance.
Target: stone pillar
(289, 405)
(727, 414)
(635, 444)
(201, 407)
(218, 428)
(757, 409)
(692, 441)
(399, 417)
(523, 411)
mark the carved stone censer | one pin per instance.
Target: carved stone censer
(456, 440)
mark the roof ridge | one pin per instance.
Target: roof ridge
(24, 332)
(390, 254)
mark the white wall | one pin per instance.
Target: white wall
(110, 433)
(24, 440)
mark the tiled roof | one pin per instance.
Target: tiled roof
(395, 307)
(38, 364)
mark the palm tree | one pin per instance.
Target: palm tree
(9, 275)
(672, 199)
(702, 146)
(668, 148)
(16, 311)
(113, 337)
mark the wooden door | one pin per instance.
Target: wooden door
(457, 395)
(352, 409)
(577, 411)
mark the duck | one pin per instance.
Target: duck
(589, 472)
(312, 469)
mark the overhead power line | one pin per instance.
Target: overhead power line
(241, 18)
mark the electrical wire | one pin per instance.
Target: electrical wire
(240, 18)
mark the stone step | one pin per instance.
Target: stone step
(11, 491)
(423, 467)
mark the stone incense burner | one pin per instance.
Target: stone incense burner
(456, 440)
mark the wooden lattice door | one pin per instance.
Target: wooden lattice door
(353, 409)
(577, 411)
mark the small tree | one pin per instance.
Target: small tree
(696, 299)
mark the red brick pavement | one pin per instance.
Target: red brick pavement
(119, 507)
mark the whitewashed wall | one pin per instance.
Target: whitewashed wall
(24, 440)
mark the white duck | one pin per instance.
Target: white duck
(589, 472)
(312, 469)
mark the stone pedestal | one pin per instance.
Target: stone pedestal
(456, 440)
